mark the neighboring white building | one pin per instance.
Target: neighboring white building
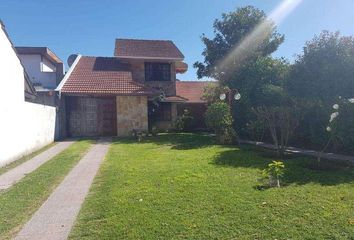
(44, 68)
(25, 126)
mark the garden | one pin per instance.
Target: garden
(307, 103)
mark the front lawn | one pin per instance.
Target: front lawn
(182, 186)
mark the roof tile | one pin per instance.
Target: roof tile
(191, 90)
(159, 49)
(103, 75)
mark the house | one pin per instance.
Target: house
(25, 125)
(134, 90)
(45, 70)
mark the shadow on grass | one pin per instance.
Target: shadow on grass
(177, 141)
(246, 156)
(297, 170)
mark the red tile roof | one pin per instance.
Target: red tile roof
(157, 49)
(191, 90)
(103, 75)
(174, 99)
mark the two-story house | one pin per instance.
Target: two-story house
(44, 68)
(134, 90)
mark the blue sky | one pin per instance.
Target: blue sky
(90, 27)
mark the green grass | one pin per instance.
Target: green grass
(24, 159)
(182, 186)
(18, 203)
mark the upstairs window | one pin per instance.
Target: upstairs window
(157, 71)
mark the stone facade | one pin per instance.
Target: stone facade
(132, 113)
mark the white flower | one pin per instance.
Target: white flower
(140, 200)
(336, 106)
(351, 100)
(333, 116)
(340, 97)
(328, 129)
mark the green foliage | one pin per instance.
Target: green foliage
(226, 136)
(183, 122)
(256, 129)
(274, 172)
(325, 69)
(322, 72)
(252, 73)
(344, 128)
(311, 131)
(340, 127)
(212, 92)
(261, 84)
(218, 117)
(230, 31)
(281, 121)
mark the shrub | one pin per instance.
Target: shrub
(227, 136)
(183, 122)
(281, 123)
(274, 172)
(340, 126)
(218, 118)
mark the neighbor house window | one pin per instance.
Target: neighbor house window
(157, 71)
(47, 66)
(160, 112)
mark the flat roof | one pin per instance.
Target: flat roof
(44, 51)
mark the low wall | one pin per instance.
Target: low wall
(25, 128)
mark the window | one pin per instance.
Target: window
(157, 72)
(160, 112)
(47, 66)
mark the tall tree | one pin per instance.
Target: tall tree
(321, 73)
(325, 69)
(238, 56)
(232, 32)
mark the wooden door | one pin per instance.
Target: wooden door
(108, 116)
(89, 116)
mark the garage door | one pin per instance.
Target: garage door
(89, 116)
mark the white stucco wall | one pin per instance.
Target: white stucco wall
(24, 126)
(39, 69)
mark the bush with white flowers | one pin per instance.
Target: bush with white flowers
(340, 127)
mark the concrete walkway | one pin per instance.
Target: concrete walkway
(14, 175)
(329, 156)
(55, 218)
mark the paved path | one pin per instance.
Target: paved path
(55, 218)
(14, 175)
(329, 156)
